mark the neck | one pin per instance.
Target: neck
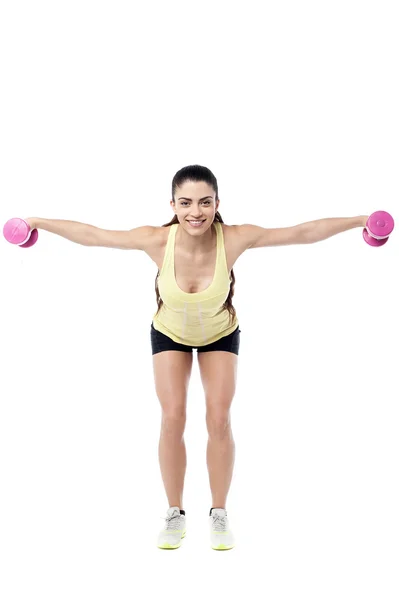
(196, 244)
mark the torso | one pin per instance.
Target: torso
(196, 274)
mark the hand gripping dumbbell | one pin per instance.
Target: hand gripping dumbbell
(378, 228)
(17, 231)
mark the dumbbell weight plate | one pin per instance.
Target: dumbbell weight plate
(32, 240)
(17, 230)
(372, 241)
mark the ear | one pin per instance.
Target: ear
(217, 204)
(173, 206)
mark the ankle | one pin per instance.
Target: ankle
(182, 512)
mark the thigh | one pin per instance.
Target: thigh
(172, 370)
(218, 371)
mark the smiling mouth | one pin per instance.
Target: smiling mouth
(196, 223)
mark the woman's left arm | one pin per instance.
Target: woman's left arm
(253, 236)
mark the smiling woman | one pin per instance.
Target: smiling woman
(195, 253)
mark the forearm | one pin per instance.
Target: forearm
(324, 228)
(80, 233)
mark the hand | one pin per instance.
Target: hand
(31, 222)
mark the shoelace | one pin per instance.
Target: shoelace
(172, 522)
(219, 523)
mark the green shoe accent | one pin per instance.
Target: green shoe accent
(222, 547)
(169, 547)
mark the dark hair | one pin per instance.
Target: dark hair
(198, 173)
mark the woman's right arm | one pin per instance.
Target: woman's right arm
(140, 238)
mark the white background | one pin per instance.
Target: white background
(294, 107)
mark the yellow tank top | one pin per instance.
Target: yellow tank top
(194, 319)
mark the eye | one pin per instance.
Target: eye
(184, 202)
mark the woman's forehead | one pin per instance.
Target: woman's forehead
(196, 188)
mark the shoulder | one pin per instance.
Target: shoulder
(155, 244)
(235, 237)
(156, 239)
(228, 230)
(161, 234)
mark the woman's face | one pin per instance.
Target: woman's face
(195, 201)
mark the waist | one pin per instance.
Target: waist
(198, 331)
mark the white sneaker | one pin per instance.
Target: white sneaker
(221, 536)
(175, 529)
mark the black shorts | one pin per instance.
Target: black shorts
(161, 342)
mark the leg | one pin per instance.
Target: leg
(218, 372)
(172, 370)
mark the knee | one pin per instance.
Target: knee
(218, 423)
(173, 421)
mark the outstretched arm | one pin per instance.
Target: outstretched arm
(253, 236)
(89, 235)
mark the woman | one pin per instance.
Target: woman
(195, 253)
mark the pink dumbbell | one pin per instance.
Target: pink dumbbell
(17, 231)
(378, 228)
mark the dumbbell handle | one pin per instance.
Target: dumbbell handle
(377, 237)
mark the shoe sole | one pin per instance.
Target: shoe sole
(222, 547)
(167, 546)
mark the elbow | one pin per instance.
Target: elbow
(308, 233)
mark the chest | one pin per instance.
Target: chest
(195, 275)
